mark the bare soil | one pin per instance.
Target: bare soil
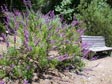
(96, 72)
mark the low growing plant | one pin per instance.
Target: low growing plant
(39, 35)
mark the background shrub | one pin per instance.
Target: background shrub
(67, 8)
(98, 18)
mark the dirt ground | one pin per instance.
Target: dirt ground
(96, 72)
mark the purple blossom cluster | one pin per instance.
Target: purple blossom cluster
(26, 37)
(85, 50)
(42, 33)
(25, 81)
(27, 3)
(5, 39)
(74, 23)
(62, 57)
(80, 31)
(2, 82)
(1, 56)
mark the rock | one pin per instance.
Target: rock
(35, 83)
(53, 53)
(46, 81)
(34, 77)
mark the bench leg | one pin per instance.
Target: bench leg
(91, 55)
(110, 54)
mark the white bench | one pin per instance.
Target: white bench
(95, 43)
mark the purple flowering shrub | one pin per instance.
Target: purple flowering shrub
(39, 35)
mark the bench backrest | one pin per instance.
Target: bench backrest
(93, 41)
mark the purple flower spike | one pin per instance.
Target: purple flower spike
(14, 39)
(1, 56)
(2, 82)
(26, 33)
(75, 23)
(37, 42)
(63, 57)
(52, 41)
(61, 34)
(26, 44)
(85, 53)
(85, 50)
(94, 58)
(84, 45)
(3, 36)
(30, 48)
(27, 3)
(49, 28)
(57, 30)
(4, 8)
(74, 17)
(17, 26)
(52, 14)
(7, 43)
(81, 31)
(17, 13)
(12, 65)
(61, 18)
(46, 18)
(5, 39)
(25, 81)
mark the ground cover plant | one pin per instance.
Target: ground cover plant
(40, 34)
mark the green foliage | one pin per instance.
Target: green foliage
(78, 63)
(109, 2)
(2, 28)
(64, 9)
(67, 8)
(14, 4)
(44, 6)
(2, 74)
(38, 4)
(98, 17)
(40, 34)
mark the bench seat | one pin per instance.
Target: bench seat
(99, 49)
(95, 43)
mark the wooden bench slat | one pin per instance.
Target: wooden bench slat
(98, 49)
(95, 43)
